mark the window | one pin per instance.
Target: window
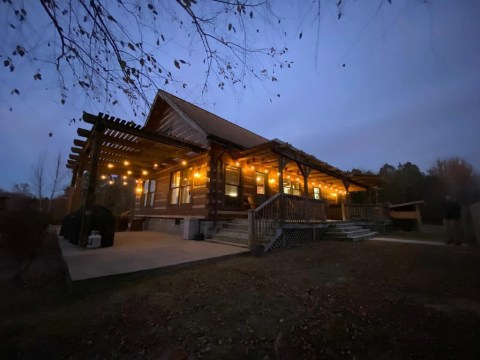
(180, 187)
(316, 193)
(260, 180)
(291, 187)
(232, 184)
(148, 193)
(296, 188)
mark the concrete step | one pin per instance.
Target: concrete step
(350, 232)
(341, 225)
(239, 221)
(230, 239)
(233, 233)
(355, 237)
(236, 227)
(346, 229)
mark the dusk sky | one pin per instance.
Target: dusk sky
(389, 86)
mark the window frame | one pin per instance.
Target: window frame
(181, 190)
(228, 199)
(148, 193)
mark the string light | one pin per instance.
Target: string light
(144, 172)
(184, 162)
(126, 163)
(110, 166)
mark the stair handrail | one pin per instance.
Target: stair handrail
(268, 202)
(258, 225)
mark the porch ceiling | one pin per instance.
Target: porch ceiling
(266, 156)
(127, 149)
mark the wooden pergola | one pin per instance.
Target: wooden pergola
(116, 147)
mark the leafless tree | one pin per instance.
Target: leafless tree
(116, 48)
(58, 177)
(458, 178)
(38, 180)
(22, 188)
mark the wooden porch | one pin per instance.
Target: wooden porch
(268, 223)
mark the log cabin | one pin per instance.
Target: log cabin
(192, 166)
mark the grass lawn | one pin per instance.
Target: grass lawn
(363, 300)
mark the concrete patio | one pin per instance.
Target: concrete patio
(136, 251)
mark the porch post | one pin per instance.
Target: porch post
(342, 205)
(346, 201)
(92, 182)
(251, 227)
(305, 173)
(281, 166)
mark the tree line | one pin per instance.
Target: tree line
(454, 177)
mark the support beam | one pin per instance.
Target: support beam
(92, 182)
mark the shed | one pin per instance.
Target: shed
(406, 216)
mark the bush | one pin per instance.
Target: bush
(21, 234)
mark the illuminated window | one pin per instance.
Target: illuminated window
(232, 184)
(291, 187)
(260, 179)
(148, 193)
(316, 193)
(180, 187)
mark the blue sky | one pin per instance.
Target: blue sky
(409, 91)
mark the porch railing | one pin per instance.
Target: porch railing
(368, 213)
(266, 220)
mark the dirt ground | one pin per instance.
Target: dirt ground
(364, 300)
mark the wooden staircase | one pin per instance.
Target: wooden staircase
(233, 232)
(342, 230)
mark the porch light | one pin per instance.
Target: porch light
(184, 162)
(110, 166)
(145, 172)
(126, 163)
